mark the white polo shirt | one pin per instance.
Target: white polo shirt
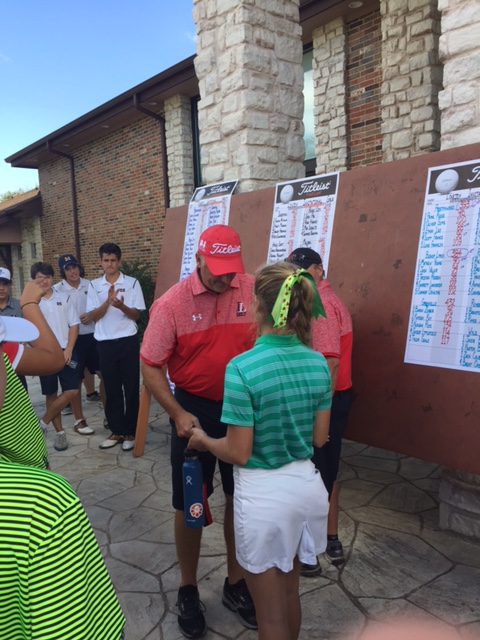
(115, 324)
(78, 297)
(60, 315)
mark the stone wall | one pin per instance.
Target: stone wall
(178, 129)
(412, 78)
(347, 68)
(250, 79)
(330, 115)
(460, 54)
(32, 250)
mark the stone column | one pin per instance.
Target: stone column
(178, 129)
(330, 115)
(31, 237)
(249, 68)
(412, 78)
(460, 53)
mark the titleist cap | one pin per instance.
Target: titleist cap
(221, 249)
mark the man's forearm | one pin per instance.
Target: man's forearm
(155, 379)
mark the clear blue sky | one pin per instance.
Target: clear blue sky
(60, 59)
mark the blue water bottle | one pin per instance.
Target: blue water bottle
(193, 490)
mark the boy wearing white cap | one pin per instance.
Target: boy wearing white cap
(8, 306)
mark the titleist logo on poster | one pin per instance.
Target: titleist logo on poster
(308, 187)
(221, 248)
(476, 174)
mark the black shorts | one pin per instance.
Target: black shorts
(327, 458)
(208, 413)
(69, 379)
(87, 354)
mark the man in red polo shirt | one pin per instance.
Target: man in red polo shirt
(332, 337)
(195, 329)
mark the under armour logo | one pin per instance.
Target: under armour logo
(196, 317)
(189, 480)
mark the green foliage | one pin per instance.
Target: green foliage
(8, 195)
(143, 273)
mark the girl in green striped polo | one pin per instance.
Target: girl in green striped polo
(277, 405)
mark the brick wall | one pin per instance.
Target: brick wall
(347, 65)
(120, 198)
(363, 80)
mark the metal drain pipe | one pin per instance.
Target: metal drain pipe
(73, 189)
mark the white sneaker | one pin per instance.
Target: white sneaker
(111, 442)
(67, 411)
(43, 427)
(83, 429)
(128, 443)
(60, 442)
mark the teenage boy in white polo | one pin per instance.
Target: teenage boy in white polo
(114, 303)
(60, 315)
(76, 287)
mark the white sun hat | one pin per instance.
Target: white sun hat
(17, 330)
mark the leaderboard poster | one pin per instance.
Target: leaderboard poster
(444, 324)
(209, 205)
(303, 216)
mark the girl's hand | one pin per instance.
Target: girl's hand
(197, 439)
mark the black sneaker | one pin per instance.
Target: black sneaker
(93, 397)
(311, 570)
(334, 552)
(191, 619)
(237, 598)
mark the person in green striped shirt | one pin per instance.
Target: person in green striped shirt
(277, 405)
(53, 581)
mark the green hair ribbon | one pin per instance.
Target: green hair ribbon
(282, 303)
